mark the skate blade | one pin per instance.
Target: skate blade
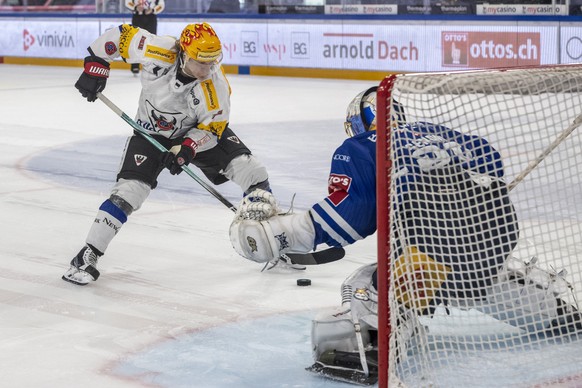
(344, 375)
(76, 276)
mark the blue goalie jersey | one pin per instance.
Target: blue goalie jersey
(348, 213)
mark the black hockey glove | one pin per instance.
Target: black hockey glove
(94, 77)
(184, 155)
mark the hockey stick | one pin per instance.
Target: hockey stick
(160, 147)
(320, 257)
(534, 163)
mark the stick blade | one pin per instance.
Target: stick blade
(320, 257)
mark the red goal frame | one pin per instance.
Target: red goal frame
(383, 166)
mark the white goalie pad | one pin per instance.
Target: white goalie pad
(359, 292)
(334, 330)
(268, 239)
(253, 240)
(524, 296)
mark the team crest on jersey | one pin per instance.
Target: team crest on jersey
(110, 48)
(163, 124)
(139, 159)
(164, 121)
(338, 186)
(252, 243)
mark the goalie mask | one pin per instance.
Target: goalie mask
(201, 50)
(361, 113)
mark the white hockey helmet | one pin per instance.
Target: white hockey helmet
(361, 113)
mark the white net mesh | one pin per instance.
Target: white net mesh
(486, 270)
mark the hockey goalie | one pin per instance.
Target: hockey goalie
(455, 230)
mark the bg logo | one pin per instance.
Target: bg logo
(299, 49)
(300, 45)
(249, 47)
(249, 43)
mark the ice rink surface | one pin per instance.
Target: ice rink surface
(175, 306)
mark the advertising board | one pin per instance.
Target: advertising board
(395, 46)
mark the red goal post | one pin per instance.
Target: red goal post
(530, 116)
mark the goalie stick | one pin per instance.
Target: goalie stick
(320, 257)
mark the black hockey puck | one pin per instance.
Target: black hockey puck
(303, 282)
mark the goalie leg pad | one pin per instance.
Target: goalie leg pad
(253, 240)
(525, 306)
(334, 330)
(263, 241)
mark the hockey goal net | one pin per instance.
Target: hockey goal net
(480, 228)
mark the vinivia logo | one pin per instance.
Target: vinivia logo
(27, 39)
(46, 39)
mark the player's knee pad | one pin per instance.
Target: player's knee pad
(334, 330)
(132, 192)
(247, 172)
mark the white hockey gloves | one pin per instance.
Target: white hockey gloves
(260, 234)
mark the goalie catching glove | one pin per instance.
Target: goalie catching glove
(260, 234)
(94, 77)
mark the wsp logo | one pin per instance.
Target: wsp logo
(278, 49)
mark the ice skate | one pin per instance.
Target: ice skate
(83, 267)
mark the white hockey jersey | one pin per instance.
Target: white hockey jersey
(170, 104)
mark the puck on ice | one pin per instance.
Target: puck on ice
(303, 282)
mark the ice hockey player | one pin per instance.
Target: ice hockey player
(185, 105)
(344, 339)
